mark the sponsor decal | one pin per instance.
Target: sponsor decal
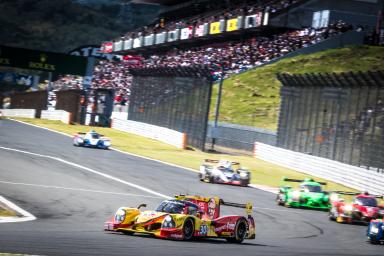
(211, 208)
(203, 230)
(177, 236)
(5, 61)
(228, 226)
(42, 64)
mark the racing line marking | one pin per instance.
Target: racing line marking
(271, 190)
(26, 215)
(91, 171)
(75, 189)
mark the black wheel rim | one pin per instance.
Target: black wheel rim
(242, 230)
(188, 229)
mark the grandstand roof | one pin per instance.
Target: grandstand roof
(161, 2)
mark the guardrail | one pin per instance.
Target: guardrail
(60, 115)
(28, 113)
(347, 175)
(162, 134)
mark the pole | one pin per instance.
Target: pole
(49, 86)
(217, 107)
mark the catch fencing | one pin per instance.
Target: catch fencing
(335, 116)
(175, 98)
(348, 175)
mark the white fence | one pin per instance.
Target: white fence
(60, 115)
(28, 113)
(348, 175)
(165, 135)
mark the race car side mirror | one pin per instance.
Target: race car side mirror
(141, 205)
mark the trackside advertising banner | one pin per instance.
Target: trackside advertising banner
(41, 60)
(253, 21)
(186, 33)
(232, 25)
(215, 28)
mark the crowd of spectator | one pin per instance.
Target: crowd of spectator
(245, 7)
(233, 57)
(239, 56)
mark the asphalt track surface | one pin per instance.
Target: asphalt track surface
(71, 205)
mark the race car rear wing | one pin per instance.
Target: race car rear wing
(357, 193)
(248, 206)
(296, 180)
(217, 161)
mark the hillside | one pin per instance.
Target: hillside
(58, 26)
(252, 98)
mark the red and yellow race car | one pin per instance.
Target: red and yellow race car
(184, 218)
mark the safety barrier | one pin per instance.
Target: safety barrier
(28, 113)
(347, 175)
(162, 134)
(60, 115)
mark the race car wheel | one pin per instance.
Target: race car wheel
(240, 232)
(244, 183)
(188, 229)
(280, 199)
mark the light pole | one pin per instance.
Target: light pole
(217, 107)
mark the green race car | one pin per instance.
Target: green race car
(309, 194)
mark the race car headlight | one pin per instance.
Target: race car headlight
(348, 208)
(107, 143)
(334, 197)
(296, 194)
(120, 215)
(168, 222)
(374, 230)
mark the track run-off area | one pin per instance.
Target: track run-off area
(72, 191)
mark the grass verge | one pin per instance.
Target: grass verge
(252, 98)
(263, 173)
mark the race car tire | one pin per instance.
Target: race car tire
(200, 177)
(188, 229)
(240, 232)
(279, 199)
(244, 183)
(373, 240)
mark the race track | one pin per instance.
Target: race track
(71, 203)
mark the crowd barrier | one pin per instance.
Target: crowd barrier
(347, 175)
(60, 115)
(28, 113)
(162, 134)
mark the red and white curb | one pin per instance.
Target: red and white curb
(23, 215)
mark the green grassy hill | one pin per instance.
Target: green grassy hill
(252, 98)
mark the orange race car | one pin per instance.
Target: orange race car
(185, 217)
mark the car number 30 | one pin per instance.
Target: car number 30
(203, 230)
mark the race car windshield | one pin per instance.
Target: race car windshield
(366, 201)
(171, 207)
(312, 188)
(95, 136)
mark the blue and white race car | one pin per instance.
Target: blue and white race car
(375, 231)
(225, 172)
(91, 139)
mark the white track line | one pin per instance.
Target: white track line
(91, 171)
(263, 188)
(26, 215)
(76, 189)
